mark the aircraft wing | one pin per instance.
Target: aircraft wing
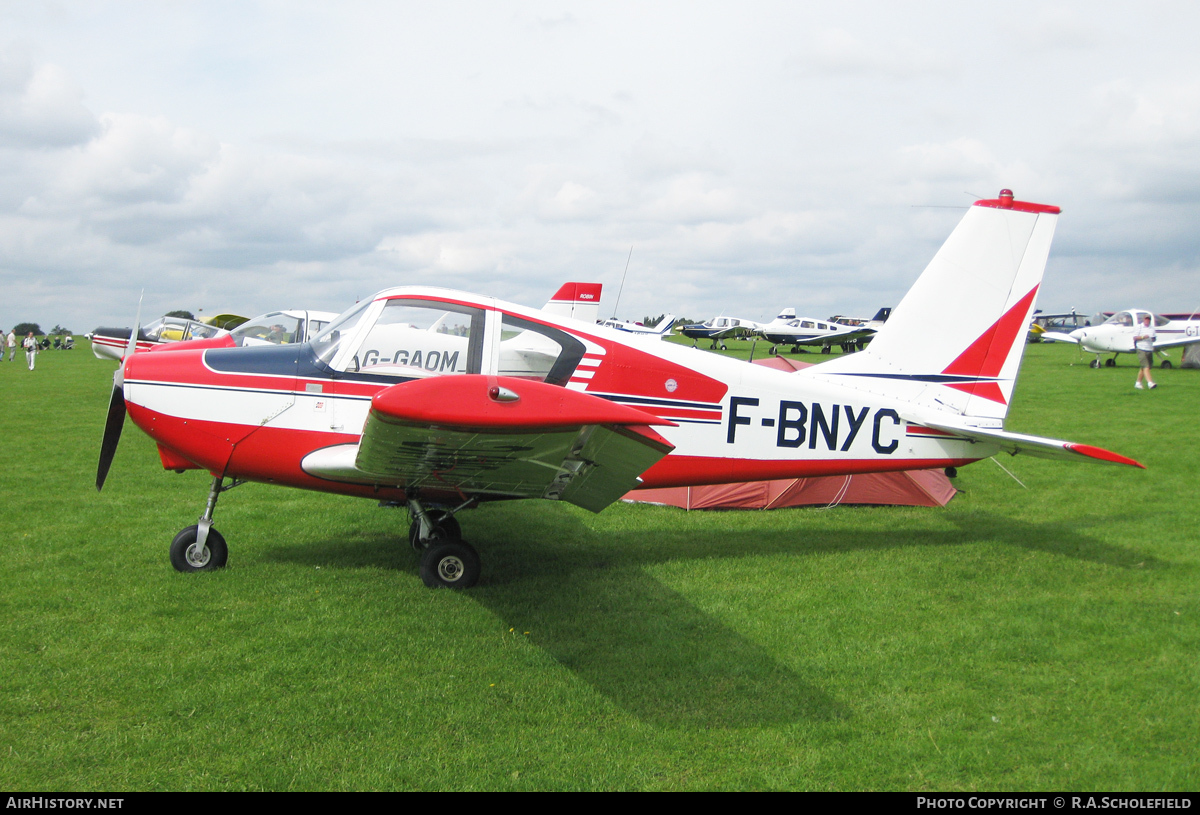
(850, 334)
(1036, 446)
(1175, 342)
(1058, 336)
(507, 437)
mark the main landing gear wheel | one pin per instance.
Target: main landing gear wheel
(445, 528)
(186, 556)
(1110, 363)
(450, 565)
(1166, 363)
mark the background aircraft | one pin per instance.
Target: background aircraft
(282, 327)
(875, 322)
(788, 329)
(1060, 322)
(1115, 335)
(225, 320)
(273, 328)
(110, 343)
(717, 330)
(440, 400)
(660, 330)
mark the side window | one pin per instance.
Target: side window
(532, 351)
(418, 338)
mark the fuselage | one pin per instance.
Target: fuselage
(256, 413)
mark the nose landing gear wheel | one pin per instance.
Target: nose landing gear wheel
(451, 565)
(186, 556)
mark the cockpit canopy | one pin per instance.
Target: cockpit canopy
(177, 329)
(281, 327)
(1134, 318)
(408, 335)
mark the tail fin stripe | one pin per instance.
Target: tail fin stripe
(987, 355)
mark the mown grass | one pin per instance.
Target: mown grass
(1036, 637)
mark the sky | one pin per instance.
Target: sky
(252, 156)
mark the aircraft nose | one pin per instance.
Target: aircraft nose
(1078, 334)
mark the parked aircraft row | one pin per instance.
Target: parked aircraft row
(441, 400)
(788, 329)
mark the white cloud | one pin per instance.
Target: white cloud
(40, 106)
(838, 52)
(255, 152)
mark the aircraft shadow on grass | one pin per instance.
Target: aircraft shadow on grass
(592, 603)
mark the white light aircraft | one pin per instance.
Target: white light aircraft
(788, 329)
(717, 330)
(439, 400)
(661, 329)
(1115, 335)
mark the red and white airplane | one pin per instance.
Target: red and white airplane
(440, 400)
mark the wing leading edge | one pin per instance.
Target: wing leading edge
(499, 436)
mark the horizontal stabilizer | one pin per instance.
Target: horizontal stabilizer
(1036, 446)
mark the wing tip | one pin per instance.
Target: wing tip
(1100, 454)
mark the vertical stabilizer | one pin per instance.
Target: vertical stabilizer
(955, 341)
(579, 301)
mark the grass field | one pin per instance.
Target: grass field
(1036, 637)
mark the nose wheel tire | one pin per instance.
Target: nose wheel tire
(186, 556)
(451, 565)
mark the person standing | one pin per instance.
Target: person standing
(1143, 342)
(31, 348)
(12, 345)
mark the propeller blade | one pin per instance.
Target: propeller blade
(137, 328)
(112, 433)
(115, 420)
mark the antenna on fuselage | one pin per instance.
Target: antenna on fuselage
(621, 288)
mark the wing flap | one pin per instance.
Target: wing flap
(502, 437)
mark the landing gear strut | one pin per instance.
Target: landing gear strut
(200, 548)
(447, 561)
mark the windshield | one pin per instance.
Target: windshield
(326, 344)
(174, 329)
(275, 328)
